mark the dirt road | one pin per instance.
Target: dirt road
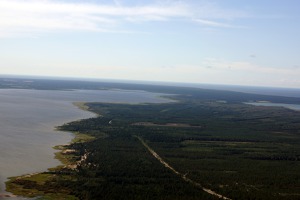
(183, 176)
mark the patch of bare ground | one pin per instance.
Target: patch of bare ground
(7, 195)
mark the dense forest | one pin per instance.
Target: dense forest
(209, 137)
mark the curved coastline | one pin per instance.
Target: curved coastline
(61, 155)
(61, 151)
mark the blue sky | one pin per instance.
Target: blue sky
(235, 42)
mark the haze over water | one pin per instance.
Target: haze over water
(28, 119)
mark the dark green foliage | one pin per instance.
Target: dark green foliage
(122, 169)
(240, 151)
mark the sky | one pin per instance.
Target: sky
(232, 42)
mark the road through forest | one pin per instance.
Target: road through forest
(183, 176)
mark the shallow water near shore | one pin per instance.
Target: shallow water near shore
(28, 119)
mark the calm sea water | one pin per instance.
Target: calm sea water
(28, 119)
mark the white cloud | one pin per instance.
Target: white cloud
(31, 16)
(211, 10)
(216, 24)
(40, 15)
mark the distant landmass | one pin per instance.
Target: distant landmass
(151, 141)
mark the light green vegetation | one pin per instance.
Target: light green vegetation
(40, 184)
(81, 105)
(37, 185)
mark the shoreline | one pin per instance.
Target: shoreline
(16, 185)
(64, 154)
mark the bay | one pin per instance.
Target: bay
(28, 119)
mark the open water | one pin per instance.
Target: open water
(28, 119)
